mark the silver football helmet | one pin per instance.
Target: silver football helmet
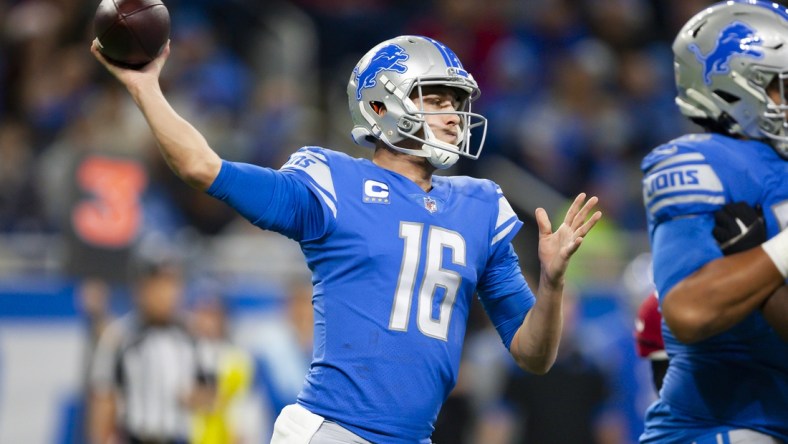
(387, 75)
(725, 58)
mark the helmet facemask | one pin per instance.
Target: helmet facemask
(774, 124)
(414, 126)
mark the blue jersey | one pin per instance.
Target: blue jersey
(395, 270)
(739, 378)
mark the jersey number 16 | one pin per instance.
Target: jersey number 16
(434, 276)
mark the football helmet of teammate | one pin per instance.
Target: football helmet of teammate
(393, 72)
(726, 58)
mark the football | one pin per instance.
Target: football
(131, 33)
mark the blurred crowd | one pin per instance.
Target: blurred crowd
(576, 91)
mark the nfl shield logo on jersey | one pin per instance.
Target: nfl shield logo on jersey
(430, 204)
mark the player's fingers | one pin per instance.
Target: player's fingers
(582, 215)
(165, 52)
(157, 64)
(94, 48)
(589, 224)
(574, 208)
(543, 222)
(574, 246)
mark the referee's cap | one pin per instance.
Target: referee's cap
(155, 255)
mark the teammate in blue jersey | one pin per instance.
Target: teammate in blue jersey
(724, 311)
(397, 254)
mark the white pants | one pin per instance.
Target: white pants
(297, 425)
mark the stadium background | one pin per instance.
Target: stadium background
(576, 91)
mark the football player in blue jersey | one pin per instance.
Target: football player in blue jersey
(397, 254)
(724, 310)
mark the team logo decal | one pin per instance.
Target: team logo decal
(430, 204)
(375, 192)
(736, 39)
(388, 58)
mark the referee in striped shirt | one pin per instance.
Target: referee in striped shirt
(146, 376)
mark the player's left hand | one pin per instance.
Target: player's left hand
(738, 227)
(556, 247)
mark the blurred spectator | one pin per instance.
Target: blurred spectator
(470, 28)
(20, 198)
(93, 297)
(620, 23)
(456, 419)
(285, 351)
(568, 404)
(648, 338)
(573, 125)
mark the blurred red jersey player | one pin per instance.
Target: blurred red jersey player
(648, 338)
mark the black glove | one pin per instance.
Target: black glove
(738, 227)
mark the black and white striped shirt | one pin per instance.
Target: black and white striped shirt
(152, 368)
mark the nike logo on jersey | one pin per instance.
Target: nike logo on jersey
(376, 192)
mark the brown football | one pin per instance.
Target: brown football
(131, 33)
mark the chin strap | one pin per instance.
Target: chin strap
(441, 159)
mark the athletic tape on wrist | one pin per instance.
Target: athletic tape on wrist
(777, 249)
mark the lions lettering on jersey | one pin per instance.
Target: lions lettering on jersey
(681, 179)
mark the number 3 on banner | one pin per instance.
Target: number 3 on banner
(112, 216)
(434, 276)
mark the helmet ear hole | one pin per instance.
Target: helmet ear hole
(726, 96)
(378, 107)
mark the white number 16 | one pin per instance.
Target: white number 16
(434, 276)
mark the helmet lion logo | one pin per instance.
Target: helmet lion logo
(736, 39)
(388, 58)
